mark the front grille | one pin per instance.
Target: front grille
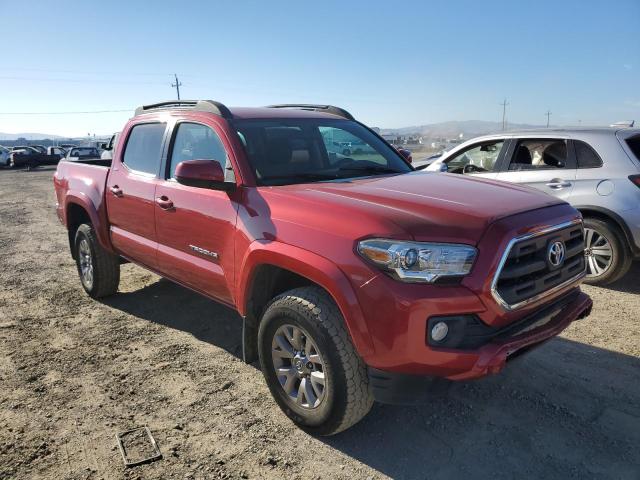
(528, 272)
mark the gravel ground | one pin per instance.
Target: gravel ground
(74, 372)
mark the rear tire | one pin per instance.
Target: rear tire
(608, 257)
(336, 377)
(98, 269)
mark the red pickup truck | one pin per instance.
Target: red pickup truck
(357, 278)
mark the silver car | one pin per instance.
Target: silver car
(597, 170)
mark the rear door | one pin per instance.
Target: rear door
(547, 164)
(130, 193)
(196, 226)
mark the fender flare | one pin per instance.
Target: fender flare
(315, 268)
(97, 216)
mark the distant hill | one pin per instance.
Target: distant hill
(28, 136)
(468, 128)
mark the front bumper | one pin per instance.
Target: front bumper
(397, 386)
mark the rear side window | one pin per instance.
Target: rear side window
(539, 154)
(634, 145)
(587, 156)
(143, 149)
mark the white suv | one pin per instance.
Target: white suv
(597, 170)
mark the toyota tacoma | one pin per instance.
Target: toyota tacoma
(357, 278)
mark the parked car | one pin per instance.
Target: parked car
(82, 153)
(24, 155)
(107, 148)
(32, 156)
(353, 284)
(4, 156)
(58, 152)
(40, 148)
(597, 170)
(67, 146)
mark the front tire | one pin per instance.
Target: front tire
(98, 269)
(608, 257)
(309, 363)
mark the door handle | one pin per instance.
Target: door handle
(557, 184)
(164, 203)
(116, 190)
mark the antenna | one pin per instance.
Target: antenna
(177, 85)
(504, 113)
(548, 114)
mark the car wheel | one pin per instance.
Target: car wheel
(309, 363)
(606, 252)
(99, 270)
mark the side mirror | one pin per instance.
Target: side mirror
(406, 154)
(444, 167)
(202, 174)
(103, 146)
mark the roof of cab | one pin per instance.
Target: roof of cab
(266, 112)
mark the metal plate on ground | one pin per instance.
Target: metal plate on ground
(138, 446)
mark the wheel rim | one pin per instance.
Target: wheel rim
(86, 263)
(299, 366)
(598, 252)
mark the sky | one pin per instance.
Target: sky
(391, 64)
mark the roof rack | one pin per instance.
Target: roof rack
(341, 112)
(209, 106)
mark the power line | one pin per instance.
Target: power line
(177, 85)
(504, 113)
(66, 113)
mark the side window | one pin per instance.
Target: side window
(193, 141)
(478, 158)
(539, 154)
(587, 156)
(143, 149)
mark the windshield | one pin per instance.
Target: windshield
(286, 151)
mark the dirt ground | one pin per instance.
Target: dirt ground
(74, 372)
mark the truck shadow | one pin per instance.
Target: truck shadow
(565, 409)
(169, 304)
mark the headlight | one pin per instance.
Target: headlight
(418, 261)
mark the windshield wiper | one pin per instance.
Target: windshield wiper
(299, 176)
(368, 169)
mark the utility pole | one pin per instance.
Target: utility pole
(548, 114)
(504, 113)
(177, 85)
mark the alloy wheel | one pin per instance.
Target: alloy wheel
(86, 263)
(598, 253)
(299, 366)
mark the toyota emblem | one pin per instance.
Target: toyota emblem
(556, 254)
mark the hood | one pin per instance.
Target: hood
(419, 205)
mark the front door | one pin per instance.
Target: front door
(196, 226)
(547, 164)
(480, 159)
(130, 193)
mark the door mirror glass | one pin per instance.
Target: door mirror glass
(444, 167)
(202, 174)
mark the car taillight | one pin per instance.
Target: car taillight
(635, 179)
